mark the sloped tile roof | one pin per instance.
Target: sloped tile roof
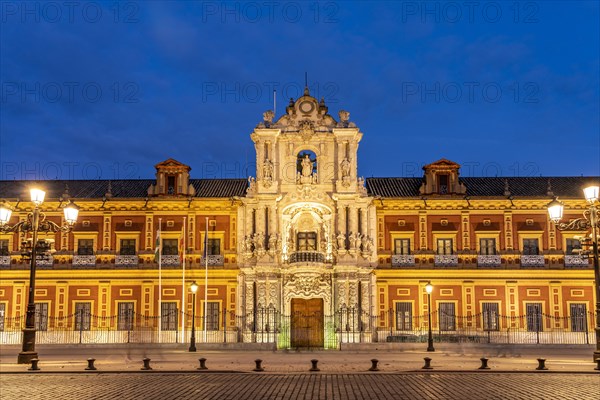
(492, 187)
(123, 188)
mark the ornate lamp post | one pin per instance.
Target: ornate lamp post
(429, 289)
(194, 289)
(36, 222)
(589, 220)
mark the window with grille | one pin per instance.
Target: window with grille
(85, 247)
(168, 319)
(212, 316)
(573, 246)
(403, 316)
(487, 247)
(530, 247)
(402, 246)
(82, 316)
(4, 250)
(490, 316)
(534, 317)
(444, 246)
(447, 317)
(125, 316)
(41, 316)
(169, 247)
(213, 247)
(307, 241)
(127, 247)
(578, 317)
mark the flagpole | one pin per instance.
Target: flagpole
(205, 277)
(183, 293)
(159, 282)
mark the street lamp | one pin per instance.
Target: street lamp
(194, 289)
(36, 222)
(589, 220)
(429, 289)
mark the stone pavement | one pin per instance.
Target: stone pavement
(342, 375)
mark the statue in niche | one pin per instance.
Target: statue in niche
(273, 242)
(341, 240)
(307, 166)
(267, 173)
(345, 169)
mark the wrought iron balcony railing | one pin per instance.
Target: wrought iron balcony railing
(80, 260)
(213, 260)
(446, 260)
(576, 260)
(126, 260)
(403, 260)
(307, 256)
(532, 260)
(489, 260)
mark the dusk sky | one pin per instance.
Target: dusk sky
(107, 90)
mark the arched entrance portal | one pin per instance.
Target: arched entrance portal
(307, 323)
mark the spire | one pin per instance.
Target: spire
(306, 91)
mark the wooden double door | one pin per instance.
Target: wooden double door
(307, 323)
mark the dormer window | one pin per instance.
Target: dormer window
(443, 184)
(171, 185)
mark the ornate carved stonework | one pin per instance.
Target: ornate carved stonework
(306, 130)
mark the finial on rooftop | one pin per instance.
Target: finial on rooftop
(65, 195)
(108, 193)
(549, 191)
(506, 188)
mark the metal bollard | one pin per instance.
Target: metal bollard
(314, 367)
(90, 366)
(484, 364)
(427, 363)
(541, 364)
(34, 365)
(258, 367)
(146, 366)
(202, 363)
(374, 362)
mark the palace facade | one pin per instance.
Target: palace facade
(305, 254)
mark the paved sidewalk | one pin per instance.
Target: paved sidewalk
(392, 359)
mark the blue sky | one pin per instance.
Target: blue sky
(107, 90)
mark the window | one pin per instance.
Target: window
(447, 317)
(4, 251)
(573, 246)
(169, 247)
(402, 246)
(530, 247)
(168, 321)
(444, 246)
(212, 316)
(170, 185)
(490, 316)
(307, 241)
(127, 247)
(578, 317)
(2, 313)
(403, 316)
(41, 316)
(214, 247)
(534, 317)
(487, 247)
(443, 184)
(125, 316)
(85, 247)
(82, 316)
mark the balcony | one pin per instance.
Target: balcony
(402, 260)
(445, 260)
(80, 260)
(307, 256)
(122, 260)
(213, 261)
(171, 260)
(489, 261)
(532, 261)
(576, 261)
(5, 261)
(45, 262)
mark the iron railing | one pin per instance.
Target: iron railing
(267, 325)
